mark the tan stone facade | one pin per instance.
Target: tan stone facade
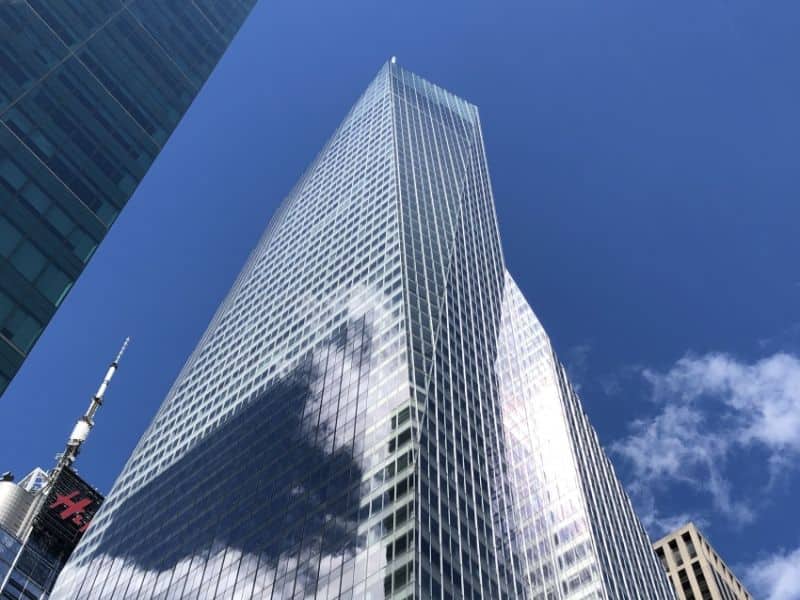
(696, 571)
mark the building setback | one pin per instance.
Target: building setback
(695, 569)
(374, 411)
(89, 94)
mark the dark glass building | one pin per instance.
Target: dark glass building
(90, 91)
(374, 410)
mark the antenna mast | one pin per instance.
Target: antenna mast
(84, 425)
(79, 434)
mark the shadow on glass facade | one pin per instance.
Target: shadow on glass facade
(271, 481)
(374, 411)
(89, 94)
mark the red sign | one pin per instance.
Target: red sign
(63, 519)
(72, 507)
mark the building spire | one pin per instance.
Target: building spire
(85, 423)
(79, 434)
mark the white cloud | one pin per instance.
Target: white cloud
(764, 396)
(709, 407)
(776, 577)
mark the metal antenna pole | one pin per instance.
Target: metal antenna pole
(79, 434)
(84, 425)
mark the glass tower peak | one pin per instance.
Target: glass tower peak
(374, 411)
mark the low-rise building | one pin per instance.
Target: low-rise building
(695, 569)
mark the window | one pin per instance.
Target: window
(9, 237)
(27, 259)
(6, 307)
(83, 245)
(59, 220)
(660, 553)
(54, 284)
(21, 328)
(702, 584)
(10, 173)
(676, 554)
(687, 539)
(686, 585)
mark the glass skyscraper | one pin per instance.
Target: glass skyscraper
(90, 91)
(374, 410)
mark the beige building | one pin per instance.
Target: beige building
(695, 569)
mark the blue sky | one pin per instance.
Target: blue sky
(644, 157)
